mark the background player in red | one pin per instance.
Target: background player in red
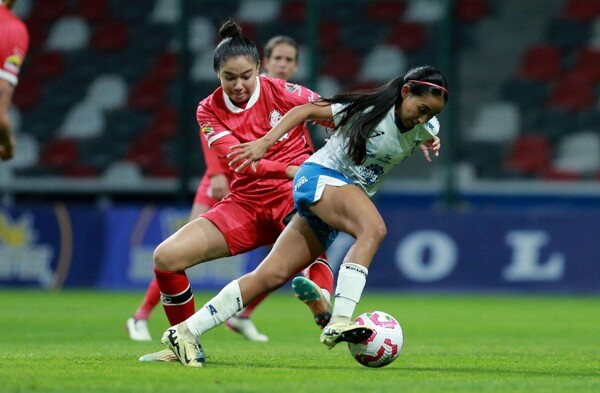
(14, 43)
(280, 61)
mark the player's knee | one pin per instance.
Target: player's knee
(163, 258)
(375, 232)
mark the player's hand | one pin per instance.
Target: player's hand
(291, 170)
(7, 144)
(219, 186)
(431, 144)
(246, 153)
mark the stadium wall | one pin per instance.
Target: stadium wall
(488, 245)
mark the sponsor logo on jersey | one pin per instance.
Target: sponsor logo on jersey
(13, 63)
(300, 182)
(293, 88)
(207, 130)
(274, 117)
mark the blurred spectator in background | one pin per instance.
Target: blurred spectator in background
(14, 42)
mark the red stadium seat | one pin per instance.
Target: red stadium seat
(59, 153)
(342, 64)
(46, 65)
(148, 95)
(165, 66)
(165, 123)
(529, 154)
(27, 93)
(49, 10)
(408, 36)
(581, 10)
(294, 11)
(81, 171)
(386, 10)
(573, 95)
(470, 11)
(92, 11)
(541, 63)
(111, 36)
(554, 174)
(146, 152)
(163, 170)
(329, 36)
(587, 66)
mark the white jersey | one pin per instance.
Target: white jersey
(386, 147)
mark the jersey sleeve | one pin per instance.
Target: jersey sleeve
(13, 49)
(433, 126)
(214, 164)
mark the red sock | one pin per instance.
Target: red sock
(320, 273)
(245, 313)
(176, 294)
(151, 299)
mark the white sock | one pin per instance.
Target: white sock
(326, 295)
(351, 282)
(217, 310)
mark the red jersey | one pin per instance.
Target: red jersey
(14, 42)
(223, 124)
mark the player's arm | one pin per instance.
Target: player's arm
(251, 152)
(217, 170)
(6, 137)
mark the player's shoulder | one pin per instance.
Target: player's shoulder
(12, 22)
(279, 86)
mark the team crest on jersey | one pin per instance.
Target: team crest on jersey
(293, 88)
(13, 63)
(207, 130)
(274, 117)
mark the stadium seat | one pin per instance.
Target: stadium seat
(529, 154)
(293, 11)
(48, 10)
(28, 93)
(92, 11)
(122, 173)
(69, 33)
(79, 170)
(381, 11)
(107, 91)
(587, 66)
(148, 95)
(581, 10)
(46, 65)
(471, 11)
(425, 11)
(383, 63)
(342, 64)
(541, 62)
(578, 152)
(27, 151)
(258, 11)
(578, 33)
(408, 36)
(202, 67)
(165, 66)
(84, 120)
(111, 36)
(329, 36)
(327, 86)
(59, 153)
(145, 152)
(498, 121)
(165, 124)
(572, 95)
(202, 34)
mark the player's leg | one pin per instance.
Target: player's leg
(293, 250)
(348, 209)
(137, 325)
(314, 288)
(199, 240)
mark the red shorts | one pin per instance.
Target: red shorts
(202, 193)
(249, 224)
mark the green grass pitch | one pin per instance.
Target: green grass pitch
(75, 341)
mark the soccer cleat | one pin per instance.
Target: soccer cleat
(246, 328)
(138, 329)
(185, 346)
(344, 331)
(166, 355)
(310, 293)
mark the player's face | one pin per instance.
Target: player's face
(238, 78)
(283, 62)
(418, 109)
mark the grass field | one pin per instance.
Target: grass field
(75, 342)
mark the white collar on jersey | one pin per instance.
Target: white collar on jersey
(253, 98)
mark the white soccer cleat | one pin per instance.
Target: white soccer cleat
(166, 355)
(138, 329)
(337, 332)
(246, 328)
(184, 345)
(309, 292)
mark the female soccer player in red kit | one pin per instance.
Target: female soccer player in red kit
(14, 43)
(280, 61)
(253, 214)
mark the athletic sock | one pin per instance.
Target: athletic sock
(217, 310)
(247, 311)
(151, 299)
(320, 273)
(351, 282)
(176, 295)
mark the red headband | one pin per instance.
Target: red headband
(427, 83)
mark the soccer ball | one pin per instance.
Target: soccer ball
(384, 345)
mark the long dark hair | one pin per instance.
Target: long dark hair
(367, 108)
(233, 44)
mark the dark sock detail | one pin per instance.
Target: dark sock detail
(174, 300)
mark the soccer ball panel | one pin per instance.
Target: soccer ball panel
(384, 345)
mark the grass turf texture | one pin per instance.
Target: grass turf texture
(76, 342)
